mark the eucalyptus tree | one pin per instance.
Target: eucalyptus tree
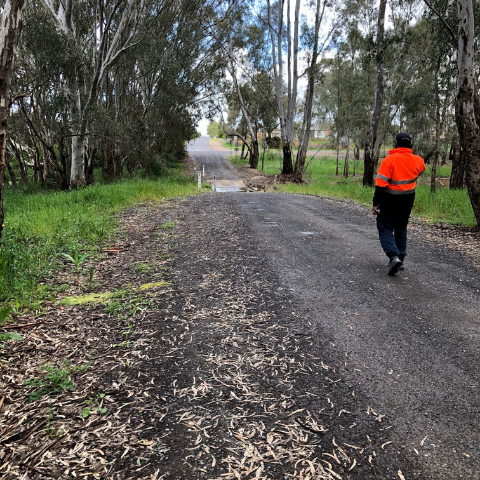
(242, 38)
(467, 112)
(370, 158)
(41, 123)
(99, 32)
(169, 76)
(9, 36)
(295, 33)
(467, 105)
(349, 92)
(315, 43)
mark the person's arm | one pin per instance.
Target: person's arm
(381, 182)
(378, 195)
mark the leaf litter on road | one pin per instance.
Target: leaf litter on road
(217, 380)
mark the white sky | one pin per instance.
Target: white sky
(202, 126)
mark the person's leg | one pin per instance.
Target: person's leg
(400, 222)
(385, 226)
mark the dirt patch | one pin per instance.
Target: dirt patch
(217, 146)
(259, 181)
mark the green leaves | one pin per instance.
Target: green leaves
(4, 313)
(94, 405)
(77, 258)
(54, 380)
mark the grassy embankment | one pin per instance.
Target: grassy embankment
(444, 206)
(41, 227)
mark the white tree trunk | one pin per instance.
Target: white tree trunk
(467, 107)
(307, 114)
(110, 46)
(11, 23)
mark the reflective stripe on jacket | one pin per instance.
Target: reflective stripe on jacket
(399, 171)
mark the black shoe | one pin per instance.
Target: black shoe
(394, 265)
(401, 267)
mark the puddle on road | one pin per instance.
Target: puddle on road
(308, 233)
(228, 186)
(231, 189)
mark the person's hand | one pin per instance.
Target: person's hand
(375, 210)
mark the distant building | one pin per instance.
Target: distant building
(320, 131)
(317, 131)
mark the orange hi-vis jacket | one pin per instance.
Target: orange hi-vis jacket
(399, 171)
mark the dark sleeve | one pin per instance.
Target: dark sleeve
(378, 195)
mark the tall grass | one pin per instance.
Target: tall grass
(40, 226)
(444, 206)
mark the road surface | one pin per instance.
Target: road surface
(218, 172)
(411, 343)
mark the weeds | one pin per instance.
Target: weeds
(144, 267)
(126, 343)
(94, 405)
(58, 221)
(77, 259)
(4, 313)
(168, 225)
(55, 379)
(52, 432)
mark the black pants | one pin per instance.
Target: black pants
(392, 223)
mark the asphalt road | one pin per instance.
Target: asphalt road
(411, 343)
(217, 171)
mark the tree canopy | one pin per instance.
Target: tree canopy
(121, 86)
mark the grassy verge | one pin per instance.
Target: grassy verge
(42, 229)
(444, 206)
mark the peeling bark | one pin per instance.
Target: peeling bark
(467, 111)
(11, 29)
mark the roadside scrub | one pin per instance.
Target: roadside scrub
(444, 206)
(44, 230)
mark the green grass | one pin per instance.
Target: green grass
(444, 206)
(41, 226)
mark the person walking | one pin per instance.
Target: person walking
(394, 197)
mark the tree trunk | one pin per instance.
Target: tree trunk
(287, 159)
(254, 154)
(9, 36)
(467, 104)
(433, 177)
(77, 171)
(22, 168)
(11, 173)
(307, 115)
(457, 178)
(90, 155)
(338, 152)
(370, 157)
(356, 158)
(347, 154)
